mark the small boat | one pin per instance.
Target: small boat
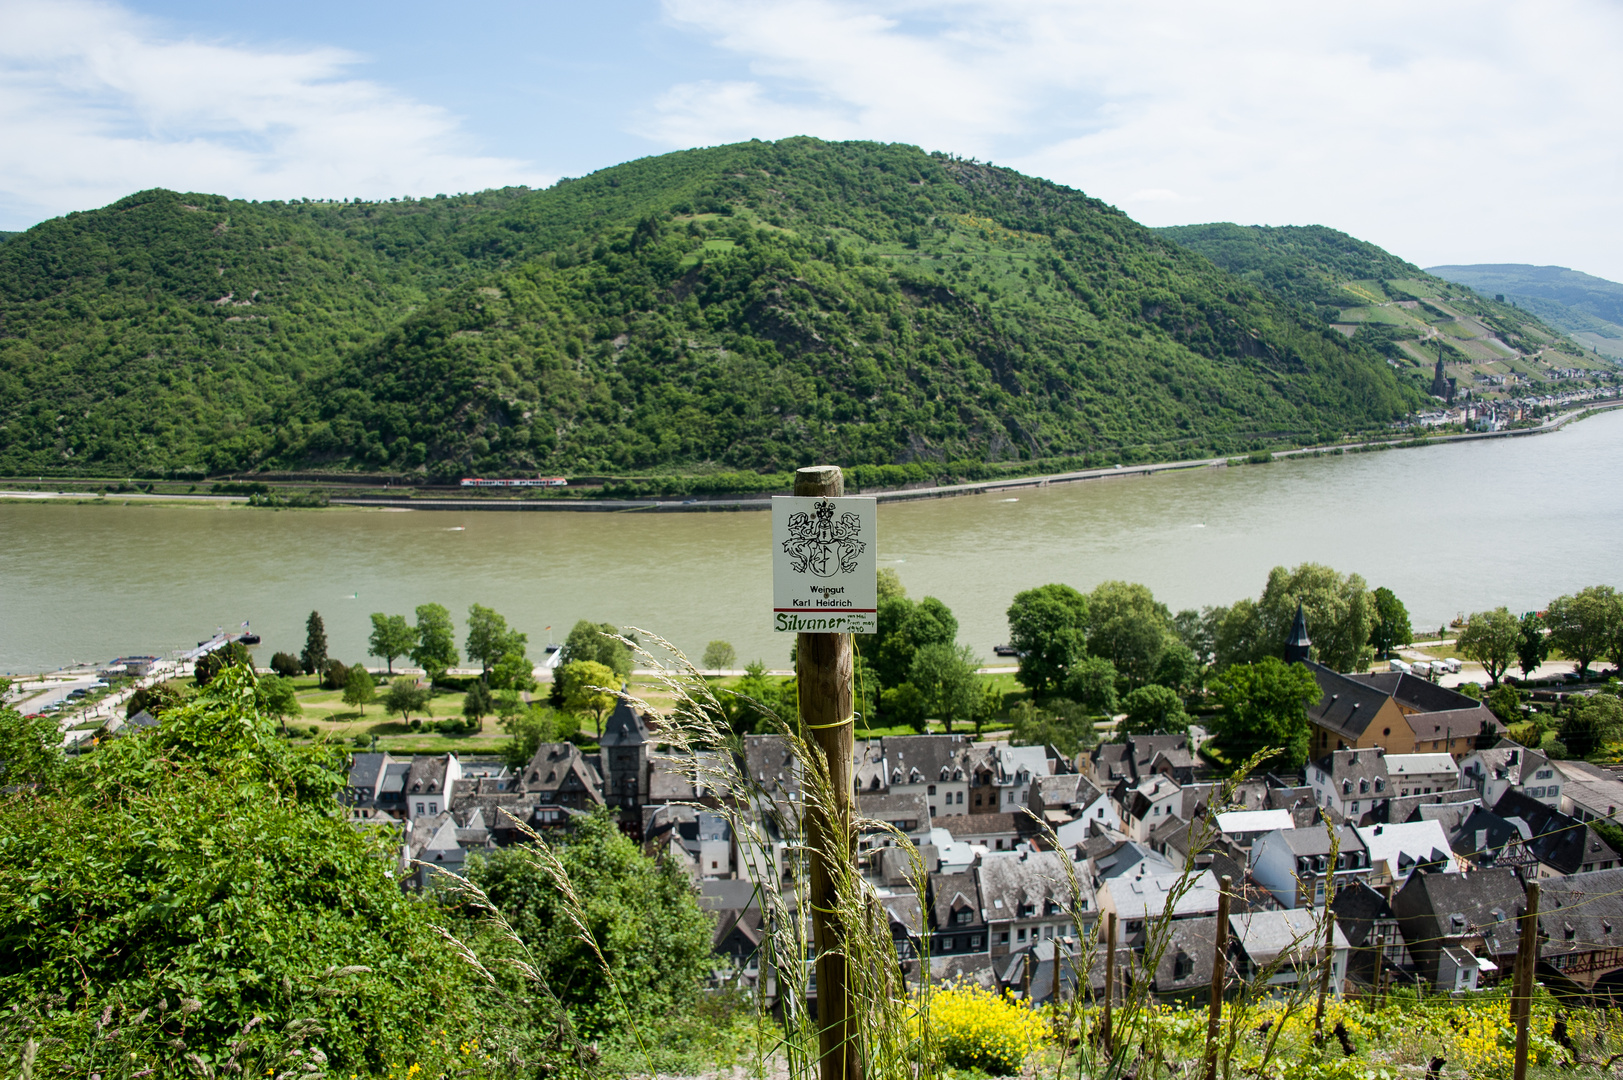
(249, 639)
(1005, 650)
(552, 648)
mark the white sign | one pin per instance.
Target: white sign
(825, 565)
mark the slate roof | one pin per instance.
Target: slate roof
(908, 812)
(1296, 933)
(1581, 913)
(1186, 964)
(427, 774)
(929, 759)
(560, 768)
(771, 764)
(1010, 879)
(1345, 704)
(1558, 840)
(625, 727)
(1435, 907)
(952, 892)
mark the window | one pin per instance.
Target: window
(960, 798)
(975, 941)
(1002, 937)
(1101, 812)
(948, 944)
(963, 916)
(713, 864)
(931, 790)
(1020, 934)
(419, 808)
(1354, 806)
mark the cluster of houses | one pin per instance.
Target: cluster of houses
(1414, 819)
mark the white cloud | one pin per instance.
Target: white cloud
(96, 103)
(1450, 132)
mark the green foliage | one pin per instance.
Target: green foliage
(359, 689)
(156, 699)
(1491, 639)
(1391, 627)
(286, 665)
(906, 627)
(1533, 643)
(490, 638)
(903, 703)
(392, 636)
(719, 656)
(527, 729)
(334, 675)
(277, 697)
(1305, 263)
(1048, 625)
(1179, 669)
(588, 687)
(405, 697)
(477, 702)
(1058, 722)
(889, 583)
(1129, 628)
(231, 654)
(1585, 626)
(1153, 710)
(435, 651)
(1091, 683)
(598, 642)
(197, 874)
(313, 657)
(1340, 614)
(1591, 723)
(642, 913)
(600, 326)
(946, 680)
(1264, 705)
(757, 692)
(1505, 702)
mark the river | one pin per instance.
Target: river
(1449, 528)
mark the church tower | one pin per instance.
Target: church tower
(1299, 646)
(625, 749)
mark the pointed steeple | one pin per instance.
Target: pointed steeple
(1299, 645)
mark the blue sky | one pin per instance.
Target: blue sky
(1481, 131)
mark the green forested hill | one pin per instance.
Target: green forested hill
(744, 307)
(1397, 308)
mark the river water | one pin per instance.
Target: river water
(1453, 528)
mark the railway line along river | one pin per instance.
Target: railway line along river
(1449, 528)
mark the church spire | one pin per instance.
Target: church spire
(1299, 645)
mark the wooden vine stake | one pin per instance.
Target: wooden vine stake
(823, 668)
(1220, 967)
(1521, 1006)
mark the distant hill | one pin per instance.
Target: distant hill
(1392, 305)
(4, 236)
(747, 307)
(1587, 307)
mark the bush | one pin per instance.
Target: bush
(334, 675)
(974, 1028)
(286, 665)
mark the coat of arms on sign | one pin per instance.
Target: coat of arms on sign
(820, 545)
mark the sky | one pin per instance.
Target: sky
(1446, 132)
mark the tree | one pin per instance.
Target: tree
(1591, 724)
(334, 675)
(1129, 628)
(889, 583)
(286, 665)
(1491, 639)
(477, 703)
(157, 699)
(1340, 614)
(1391, 627)
(231, 654)
(589, 688)
(1153, 710)
(435, 651)
(904, 629)
(946, 679)
(490, 638)
(526, 730)
(1048, 627)
(1238, 634)
(1532, 643)
(277, 699)
(903, 704)
(359, 689)
(642, 913)
(1264, 704)
(719, 656)
(1179, 669)
(513, 672)
(1505, 702)
(1059, 723)
(598, 642)
(1091, 683)
(392, 636)
(1583, 626)
(405, 697)
(314, 656)
(1196, 630)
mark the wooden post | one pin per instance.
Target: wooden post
(1220, 963)
(1380, 985)
(823, 670)
(1110, 983)
(1324, 970)
(1528, 955)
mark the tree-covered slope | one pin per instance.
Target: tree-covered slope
(1587, 307)
(751, 306)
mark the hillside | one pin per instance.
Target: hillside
(1397, 309)
(745, 307)
(1587, 307)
